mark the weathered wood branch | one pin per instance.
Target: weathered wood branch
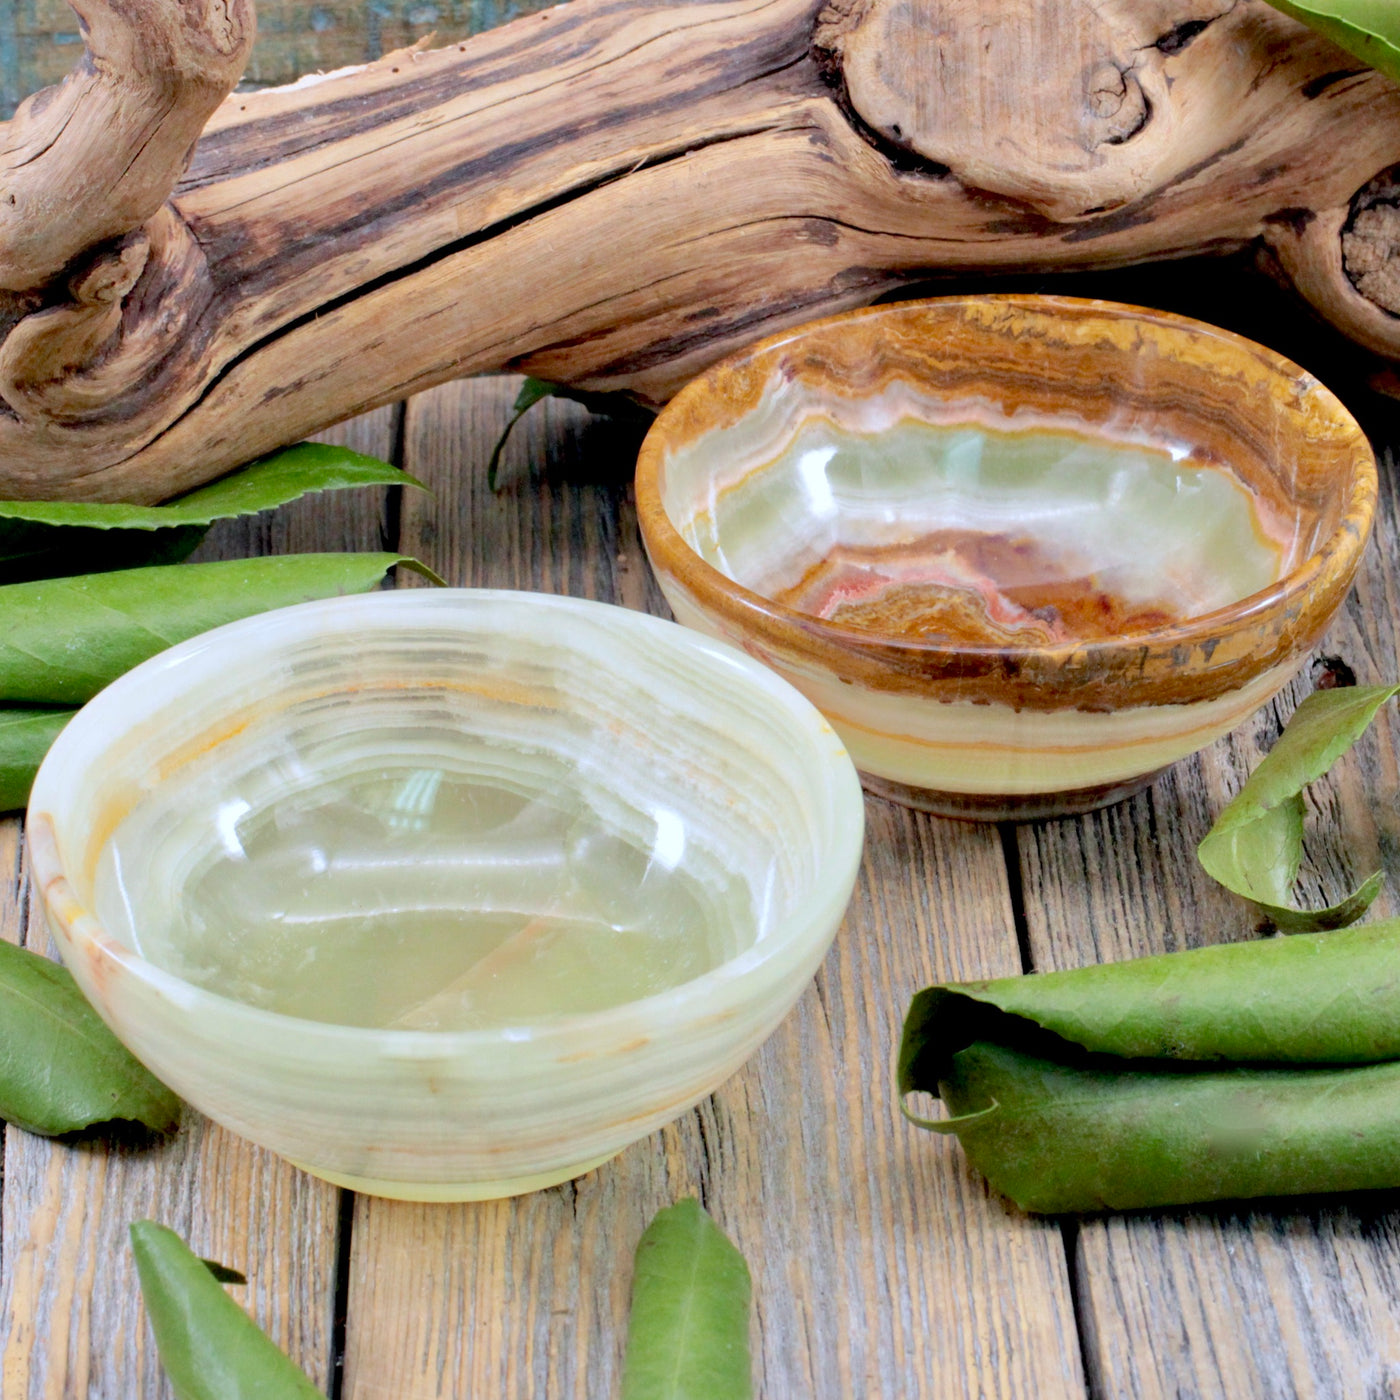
(614, 193)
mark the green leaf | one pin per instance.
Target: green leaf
(1068, 1137)
(43, 539)
(25, 737)
(1255, 847)
(688, 1338)
(1263, 1068)
(606, 405)
(531, 392)
(210, 1348)
(1327, 998)
(1368, 29)
(273, 481)
(61, 1069)
(63, 640)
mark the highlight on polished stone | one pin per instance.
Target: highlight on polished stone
(437, 879)
(991, 535)
(446, 895)
(1023, 552)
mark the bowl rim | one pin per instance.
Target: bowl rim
(722, 990)
(1341, 550)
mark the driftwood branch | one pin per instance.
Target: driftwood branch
(614, 193)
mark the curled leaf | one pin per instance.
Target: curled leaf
(531, 392)
(1083, 1137)
(1240, 1070)
(61, 1069)
(1314, 999)
(606, 405)
(688, 1337)
(1255, 848)
(210, 1348)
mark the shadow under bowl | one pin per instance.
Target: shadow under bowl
(445, 895)
(1024, 552)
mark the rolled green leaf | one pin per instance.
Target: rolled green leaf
(1255, 847)
(61, 1069)
(1368, 29)
(63, 640)
(1088, 1138)
(48, 539)
(1311, 998)
(25, 737)
(1255, 1069)
(688, 1337)
(210, 1348)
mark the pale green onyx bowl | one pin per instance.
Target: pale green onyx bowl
(446, 895)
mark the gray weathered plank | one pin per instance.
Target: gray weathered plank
(880, 1266)
(1302, 1300)
(69, 1300)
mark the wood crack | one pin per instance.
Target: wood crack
(450, 250)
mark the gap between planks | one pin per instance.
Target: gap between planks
(72, 1320)
(1293, 1299)
(881, 1266)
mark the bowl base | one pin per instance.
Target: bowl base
(1007, 806)
(446, 1192)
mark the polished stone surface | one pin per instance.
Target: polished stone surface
(1022, 551)
(446, 894)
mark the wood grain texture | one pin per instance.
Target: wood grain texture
(1235, 1303)
(881, 1268)
(73, 1324)
(615, 193)
(350, 520)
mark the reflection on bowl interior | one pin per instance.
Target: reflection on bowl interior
(937, 520)
(450, 859)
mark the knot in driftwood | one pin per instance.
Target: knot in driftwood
(1371, 241)
(1017, 97)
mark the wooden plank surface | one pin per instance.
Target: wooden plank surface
(881, 1267)
(70, 1310)
(1301, 1300)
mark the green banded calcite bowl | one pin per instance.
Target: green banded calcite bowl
(445, 895)
(1023, 552)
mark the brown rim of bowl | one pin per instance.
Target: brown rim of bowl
(1301, 602)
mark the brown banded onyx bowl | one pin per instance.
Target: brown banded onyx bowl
(1023, 552)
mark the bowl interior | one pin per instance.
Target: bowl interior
(1006, 472)
(450, 817)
